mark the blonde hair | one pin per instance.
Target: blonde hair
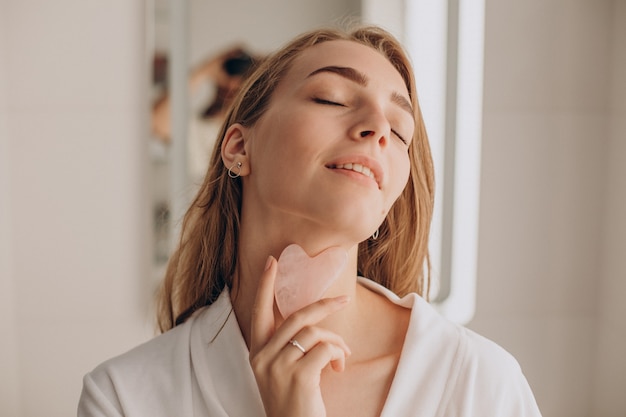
(205, 260)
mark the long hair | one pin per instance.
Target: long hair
(205, 260)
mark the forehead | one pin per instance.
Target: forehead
(344, 53)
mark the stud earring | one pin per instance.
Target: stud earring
(236, 166)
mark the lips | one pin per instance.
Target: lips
(362, 165)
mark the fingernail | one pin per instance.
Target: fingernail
(268, 263)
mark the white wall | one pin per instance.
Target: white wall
(545, 267)
(72, 135)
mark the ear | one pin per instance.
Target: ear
(234, 148)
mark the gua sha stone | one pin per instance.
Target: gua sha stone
(302, 280)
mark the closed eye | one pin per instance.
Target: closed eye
(334, 103)
(328, 102)
(399, 136)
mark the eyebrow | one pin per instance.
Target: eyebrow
(361, 79)
(401, 101)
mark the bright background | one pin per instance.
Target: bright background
(74, 286)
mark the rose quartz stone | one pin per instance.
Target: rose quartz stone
(302, 280)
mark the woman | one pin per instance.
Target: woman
(324, 147)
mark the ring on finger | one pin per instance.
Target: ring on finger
(295, 343)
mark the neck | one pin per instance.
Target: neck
(250, 267)
(264, 232)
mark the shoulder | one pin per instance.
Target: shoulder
(464, 373)
(443, 338)
(152, 356)
(488, 381)
(121, 384)
(481, 377)
(145, 380)
(482, 358)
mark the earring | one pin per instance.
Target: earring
(235, 174)
(376, 234)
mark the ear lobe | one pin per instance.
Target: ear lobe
(234, 149)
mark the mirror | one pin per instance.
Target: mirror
(445, 42)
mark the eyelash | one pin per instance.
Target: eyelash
(324, 101)
(399, 137)
(334, 103)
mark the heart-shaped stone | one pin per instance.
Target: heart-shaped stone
(302, 280)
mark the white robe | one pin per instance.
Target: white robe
(201, 368)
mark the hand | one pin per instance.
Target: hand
(289, 379)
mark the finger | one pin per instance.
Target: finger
(262, 320)
(305, 317)
(322, 355)
(308, 338)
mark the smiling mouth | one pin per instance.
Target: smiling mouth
(361, 169)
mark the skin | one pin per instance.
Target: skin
(295, 190)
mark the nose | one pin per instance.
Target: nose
(371, 123)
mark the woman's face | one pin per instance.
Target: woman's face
(331, 151)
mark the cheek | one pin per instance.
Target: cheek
(279, 132)
(401, 177)
(275, 150)
(402, 169)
